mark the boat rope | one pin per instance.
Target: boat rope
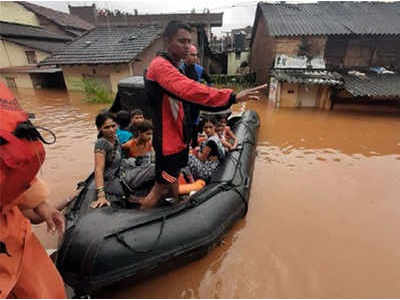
(121, 239)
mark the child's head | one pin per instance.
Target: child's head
(220, 127)
(222, 120)
(145, 130)
(123, 119)
(137, 117)
(209, 126)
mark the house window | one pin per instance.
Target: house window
(31, 57)
(11, 82)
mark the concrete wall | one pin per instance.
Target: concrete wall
(144, 58)
(108, 75)
(14, 13)
(300, 95)
(288, 94)
(325, 98)
(358, 53)
(234, 63)
(363, 52)
(22, 80)
(387, 53)
(12, 55)
(262, 51)
(290, 46)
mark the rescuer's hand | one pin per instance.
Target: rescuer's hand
(54, 219)
(250, 94)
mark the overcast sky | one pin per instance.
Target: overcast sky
(237, 13)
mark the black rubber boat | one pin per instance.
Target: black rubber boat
(106, 245)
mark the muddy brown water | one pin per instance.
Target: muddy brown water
(323, 216)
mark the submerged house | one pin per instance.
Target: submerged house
(107, 54)
(201, 23)
(58, 22)
(297, 82)
(21, 48)
(348, 36)
(124, 48)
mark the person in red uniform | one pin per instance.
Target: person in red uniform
(171, 94)
(26, 271)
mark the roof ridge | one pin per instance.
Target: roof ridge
(27, 31)
(101, 47)
(24, 25)
(35, 7)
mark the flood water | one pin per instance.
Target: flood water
(323, 215)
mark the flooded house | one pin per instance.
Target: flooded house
(123, 46)
(299, 82)
(29, 33)
(357, 43)
(107, 54)
(63, 24)
(22, 47)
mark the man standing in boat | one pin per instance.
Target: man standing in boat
(172, 94)
(194, 71)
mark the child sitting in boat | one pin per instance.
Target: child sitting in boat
(123, 120)
(137, 117)
(140, 146)
(227, 137)
(203, 163)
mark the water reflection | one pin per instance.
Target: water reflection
(323, 212)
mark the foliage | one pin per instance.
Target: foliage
(234, 81)
(96, 92)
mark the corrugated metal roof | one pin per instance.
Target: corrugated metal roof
(373, 85)
(106, 45)
(307, 76)
(332, 18)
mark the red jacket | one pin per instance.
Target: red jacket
(171, 93)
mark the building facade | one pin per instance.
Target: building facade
(22, 47)
(347, 36)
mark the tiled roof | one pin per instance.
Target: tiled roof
(372, 84)
(307, 76)
(26, 31)
(58, 17)
(331, 18)
(106, 45)
(44, 45)
(213, 19)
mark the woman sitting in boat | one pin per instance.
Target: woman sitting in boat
(107, 156)
(140, 147)
(204, 162)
